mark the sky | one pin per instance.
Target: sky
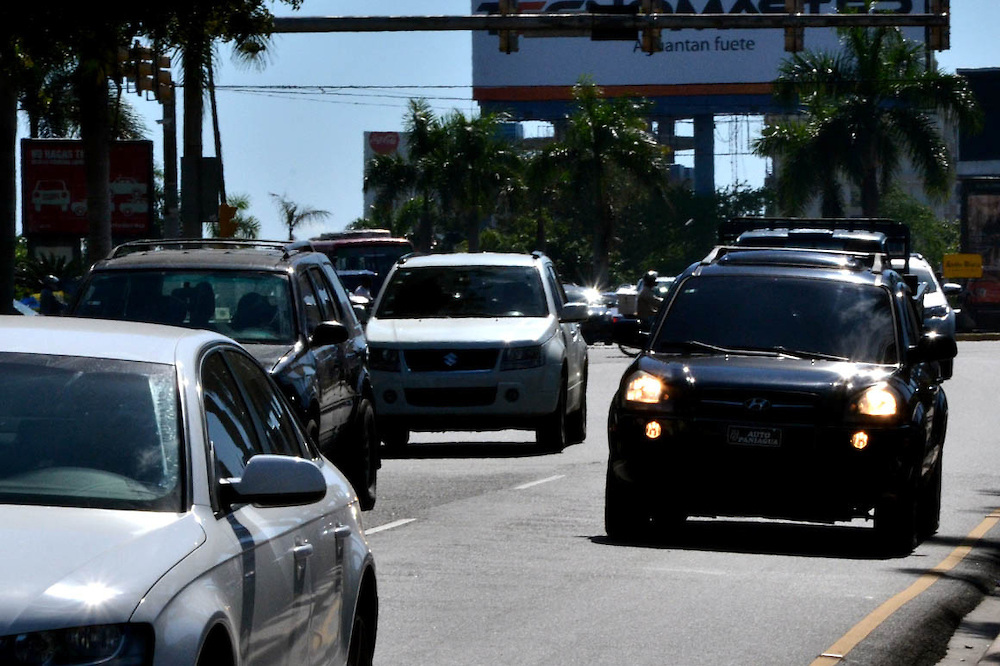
(308, 147)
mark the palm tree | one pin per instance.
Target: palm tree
(247, 226)
(607, 143)
(294, 216)
(866, 109)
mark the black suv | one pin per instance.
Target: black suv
(782, 383)
(283, 302)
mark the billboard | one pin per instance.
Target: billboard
(380, 143)
(703, 70)
(54, 187)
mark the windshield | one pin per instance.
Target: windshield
(463, 291)
(248, 307)
(799, 316)
(89, 432)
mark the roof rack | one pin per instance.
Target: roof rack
(160, 244)
(797, 257)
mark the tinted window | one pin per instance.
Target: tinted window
(89, 432)
(274, 420)
(231, 430)
(464, 291)
(841, 319)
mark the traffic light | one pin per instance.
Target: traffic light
(652, 41)
(938, 38)
(227, 222)
(508, 38)
(795, 36)
(142, 68)
(164, 89)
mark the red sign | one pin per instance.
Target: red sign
(54, 187)
(383, 143)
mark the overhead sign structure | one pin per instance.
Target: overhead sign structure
(54, 187)
(698, 71)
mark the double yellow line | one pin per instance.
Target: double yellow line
(836, 652)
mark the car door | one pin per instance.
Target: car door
(343, 357)
(576, 346)
(323, 360)
(245, 418)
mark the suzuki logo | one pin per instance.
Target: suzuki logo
(450, 359)
(757, 405)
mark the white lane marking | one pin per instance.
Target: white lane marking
(389, 526)
(539, 482)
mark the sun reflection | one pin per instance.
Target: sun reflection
(90, 594)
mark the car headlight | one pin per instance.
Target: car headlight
(877, 400)
(120, 644)
(518, 358)
(645, 388)
(380, 358)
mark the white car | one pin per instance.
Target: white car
(160, 505)
(478, 341)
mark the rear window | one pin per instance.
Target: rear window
(463, 291)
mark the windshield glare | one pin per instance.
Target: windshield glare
(463, 291)
(89, 433)
(836, 319)
(248, 307)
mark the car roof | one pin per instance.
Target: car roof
(210, 254)
(97, 338)
(470, 259)
(859, 268)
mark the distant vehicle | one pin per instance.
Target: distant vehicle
(160, 505)
(938, 313)
(374, 250)
(597, 327)
(480, 341)
(50, 193)
(283, 302)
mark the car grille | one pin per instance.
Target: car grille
(447, 360)
(759, 406)
(452, 397)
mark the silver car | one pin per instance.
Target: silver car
(160, 505)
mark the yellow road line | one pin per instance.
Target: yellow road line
(860, 631)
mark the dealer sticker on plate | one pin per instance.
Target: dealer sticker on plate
(746, 436)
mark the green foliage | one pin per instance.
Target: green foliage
(929, 235)
(30, 271)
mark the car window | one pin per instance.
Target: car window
(463, 291)
(250, 307)
(555, 286)
(275, 420)
(310, 302)
(231, 431)
(840, 319)
(323, 291)
(343, 300)
(89, 432)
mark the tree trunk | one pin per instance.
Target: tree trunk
(8, 191)
(472, 230)
(194, 110)
(216, 133)
(95, 132)
(425, 227)
(870, 193)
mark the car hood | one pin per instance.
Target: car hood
(68, 566)
(700, 372)
(471, 331)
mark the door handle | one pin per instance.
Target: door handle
(302, 551)
(342, 531)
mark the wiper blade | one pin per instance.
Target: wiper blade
(820, 356)
(691, 345)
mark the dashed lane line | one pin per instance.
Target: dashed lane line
(539, 482)
(389, 526)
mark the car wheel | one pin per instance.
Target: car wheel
(576, 428)
(312, 431)
(361, 651)
(896, 521)
(625, 517)
(395, 437)
(930, 503)
(364, 470)
(551, 434)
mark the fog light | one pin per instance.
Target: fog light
(859, 440)
(653, 430)
(511, 395)
(389, 397)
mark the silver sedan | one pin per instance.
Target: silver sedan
(160, 505)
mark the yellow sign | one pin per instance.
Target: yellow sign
(963, 266)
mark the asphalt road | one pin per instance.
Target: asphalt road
(490, 553)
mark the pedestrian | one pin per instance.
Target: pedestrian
(648, 302)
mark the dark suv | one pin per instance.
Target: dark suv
(283, 302)
(782, 383)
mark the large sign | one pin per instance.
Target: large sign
(54, 187)
(696, 64)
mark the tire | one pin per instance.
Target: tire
(551, 433)
(629, 351)
(364, 467)
(930, 504)
(576, 426)
(896, 521)
(625, 517)
(361, 650)
(395, 438)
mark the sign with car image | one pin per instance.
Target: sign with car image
(54, 187)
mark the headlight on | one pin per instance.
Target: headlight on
(124, 644)
(645, 388)
(380, 358)
(877, 401)
(518, 358)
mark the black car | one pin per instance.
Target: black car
(598, 326)
(785, 384)
(281, 301)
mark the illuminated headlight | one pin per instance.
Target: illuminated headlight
(121, 643)
(517, 358)
(644, 387)
(380, 358)
(876, 401)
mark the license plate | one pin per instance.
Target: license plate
(747, 436)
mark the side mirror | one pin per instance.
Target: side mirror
(272, 480)
(951, 289)
(328, 333)
(361, 312)
(574, 312)
(935, 347)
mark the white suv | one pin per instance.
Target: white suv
(478, 342)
